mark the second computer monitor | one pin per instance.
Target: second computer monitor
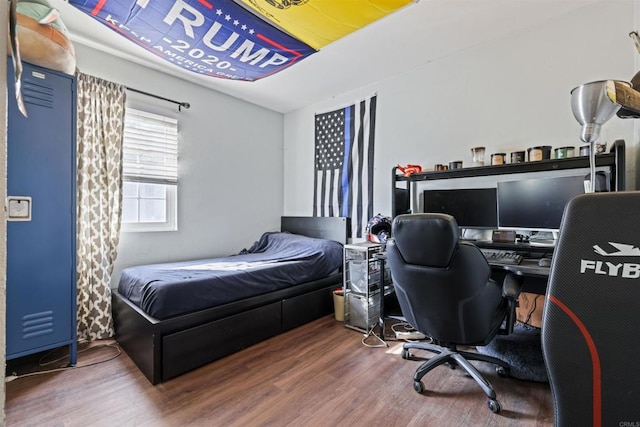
(536, 204)
(471, 207)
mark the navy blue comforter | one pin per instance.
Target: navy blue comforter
(276, 261)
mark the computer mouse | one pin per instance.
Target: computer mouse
(544, 262)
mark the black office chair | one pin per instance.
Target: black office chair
(591, 319)
(445, 291)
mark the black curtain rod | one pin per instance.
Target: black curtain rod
(186, 105)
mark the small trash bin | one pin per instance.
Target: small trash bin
(338, 304)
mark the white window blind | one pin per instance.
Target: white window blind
(150, 151)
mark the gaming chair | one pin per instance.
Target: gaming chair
(591, 320)
(445, 291)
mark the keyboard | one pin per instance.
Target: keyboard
(494, 256)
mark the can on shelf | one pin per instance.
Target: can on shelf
(517, 157)
(601, 147)
(477, 156)
(542, 152)
(498, 159)
(564, 152)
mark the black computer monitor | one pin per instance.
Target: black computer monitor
(536, 204)
(471, 207)
(402, 201)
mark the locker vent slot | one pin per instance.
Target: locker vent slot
(37, 93)
(37, 324)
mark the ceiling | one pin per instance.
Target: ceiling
(413, 36)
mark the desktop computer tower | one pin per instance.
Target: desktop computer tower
(365, 272)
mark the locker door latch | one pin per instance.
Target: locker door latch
(18, 208)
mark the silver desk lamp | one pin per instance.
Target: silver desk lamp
(592, 107)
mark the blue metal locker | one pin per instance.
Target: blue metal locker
(41, 214)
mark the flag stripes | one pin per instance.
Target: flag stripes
(344, 154)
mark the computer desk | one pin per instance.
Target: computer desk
(534, 280)
(529, 268)
(534, 277)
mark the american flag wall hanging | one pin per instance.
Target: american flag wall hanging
(344, 155)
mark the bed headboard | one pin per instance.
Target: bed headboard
(332, 228)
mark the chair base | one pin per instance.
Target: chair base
(455, 357)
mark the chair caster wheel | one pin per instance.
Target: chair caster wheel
(494, 405)
(405, 354)
(418, 386)
(502, 372)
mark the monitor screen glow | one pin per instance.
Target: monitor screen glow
(471, 207)
(536, 204)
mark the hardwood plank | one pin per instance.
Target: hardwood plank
(317, 374)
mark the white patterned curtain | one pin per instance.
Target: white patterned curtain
(100, 128)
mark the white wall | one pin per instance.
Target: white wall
(230, 167)
(507, 95)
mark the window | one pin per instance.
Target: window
(150, 172)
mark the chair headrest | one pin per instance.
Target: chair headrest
(428, 239)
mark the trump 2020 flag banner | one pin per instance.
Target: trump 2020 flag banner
(215, 38)
(343, 179)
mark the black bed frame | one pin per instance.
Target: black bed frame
(164, 349)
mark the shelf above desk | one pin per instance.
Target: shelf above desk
(615, 159)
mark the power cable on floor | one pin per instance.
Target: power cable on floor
(14, 376)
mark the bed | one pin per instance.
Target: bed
(194, 323)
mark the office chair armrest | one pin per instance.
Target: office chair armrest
(511, 288)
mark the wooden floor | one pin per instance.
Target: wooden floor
(317, 375)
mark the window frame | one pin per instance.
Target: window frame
(171, 188)
(171, 224)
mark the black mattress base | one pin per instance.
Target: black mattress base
(164, 349)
